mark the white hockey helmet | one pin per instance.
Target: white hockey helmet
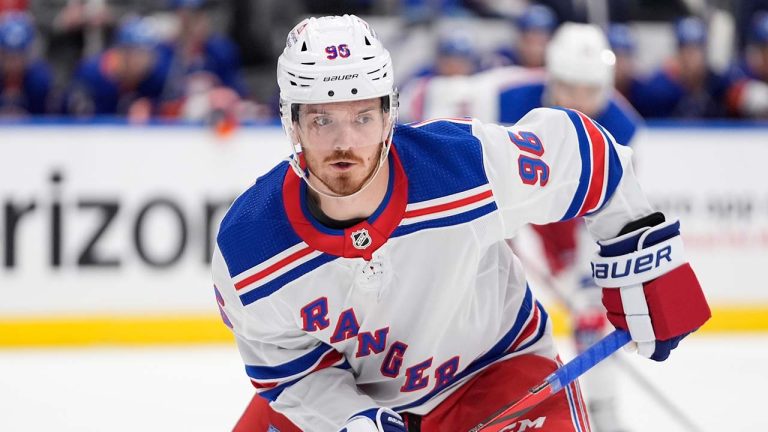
(334, 59)
(580, 54)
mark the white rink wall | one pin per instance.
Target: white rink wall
(109, 220)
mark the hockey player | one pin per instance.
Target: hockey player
(579, 75)
(367, 278)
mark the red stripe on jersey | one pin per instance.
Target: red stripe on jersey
(528, 330)
(328, 360)
(331, 358)
(450, 205)
(595, 190)
(273, 268)
(263, 386)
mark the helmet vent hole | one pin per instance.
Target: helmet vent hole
(308, 63)
(330, 93)
(367, 42)
(293, 83)
(368, 58)
(354, 91)
(304, 46)
(385, 75)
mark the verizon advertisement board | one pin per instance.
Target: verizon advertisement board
(120, 220)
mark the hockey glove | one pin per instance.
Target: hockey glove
(648, 287)
(375, 420)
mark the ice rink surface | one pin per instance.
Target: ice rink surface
(717, 380)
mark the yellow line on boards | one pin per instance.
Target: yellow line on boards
(108, 330)
(725, 319)
(196, 329)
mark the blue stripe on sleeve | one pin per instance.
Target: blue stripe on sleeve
(274, 393)
(615, 171)
(290, 368)
(586, 165)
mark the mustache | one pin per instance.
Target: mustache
(342, 156)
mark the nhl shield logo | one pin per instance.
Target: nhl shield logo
(361, 239)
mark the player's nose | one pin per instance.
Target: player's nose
(344, 139)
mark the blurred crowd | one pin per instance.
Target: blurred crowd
(213, 61)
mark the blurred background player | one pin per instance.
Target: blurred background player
(534, 26)
(579, 75)
(128, 78)
(25, 79)
(686, 86)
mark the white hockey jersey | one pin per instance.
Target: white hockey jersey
(401, 309)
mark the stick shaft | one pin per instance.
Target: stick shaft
(555, 381)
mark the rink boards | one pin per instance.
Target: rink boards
(107, 229)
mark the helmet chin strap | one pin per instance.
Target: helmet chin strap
(295, 164)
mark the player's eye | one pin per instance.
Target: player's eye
(321, 121)
(363, 119)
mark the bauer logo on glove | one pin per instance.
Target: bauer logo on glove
(648, 287)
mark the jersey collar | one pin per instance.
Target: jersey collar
(360, 240)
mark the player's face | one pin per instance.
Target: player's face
(588, 99)
(342, 142)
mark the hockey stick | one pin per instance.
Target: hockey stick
(661, 399)
(555, 382)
